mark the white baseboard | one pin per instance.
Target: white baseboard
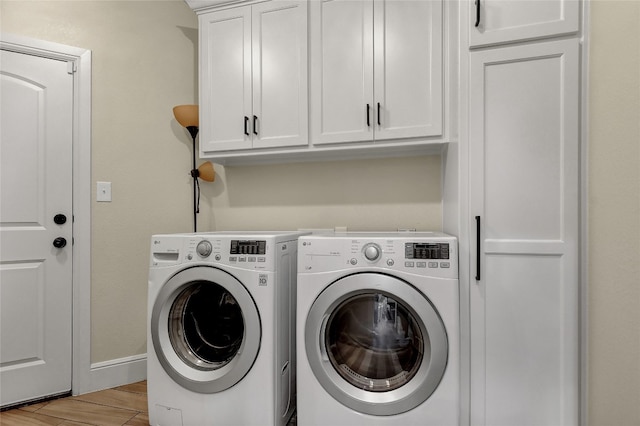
(117, 372)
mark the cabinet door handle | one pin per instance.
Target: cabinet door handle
(246, 125)
(255, 125)
(368, 121)
(379, 114)
(477, 13)
(478, 244)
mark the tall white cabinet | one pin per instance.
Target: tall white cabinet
(524, 214)
(376, 70)
(253, 77)
(523, 147)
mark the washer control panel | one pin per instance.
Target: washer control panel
(432, 254)
(246, 254)
(248, 250)
(257, 247)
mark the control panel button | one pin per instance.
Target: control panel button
(390, 262)
(409, 264)
(353, 261)
(371, 252)
(421, 264)
(218, 257)
(445, 265)
(433, 264)
(204, 248)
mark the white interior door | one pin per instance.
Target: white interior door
(35, 187)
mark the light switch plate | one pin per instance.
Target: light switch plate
(104, 192)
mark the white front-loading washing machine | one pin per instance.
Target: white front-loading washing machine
(221, 328)
(378, 329)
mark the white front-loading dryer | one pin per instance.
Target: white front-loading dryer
(378, 329)
(221, 328)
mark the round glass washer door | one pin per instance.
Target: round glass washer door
(205, 329)
(376, 344)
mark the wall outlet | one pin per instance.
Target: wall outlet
(104, 192)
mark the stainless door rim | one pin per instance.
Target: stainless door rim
(396, 401)
(198, 380)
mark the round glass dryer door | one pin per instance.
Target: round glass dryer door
(376, 344)
(205, 329)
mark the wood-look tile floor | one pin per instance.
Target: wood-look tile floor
(124, 405)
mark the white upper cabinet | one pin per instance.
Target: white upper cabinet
(504, 21)
(253, 77)
(376, 70)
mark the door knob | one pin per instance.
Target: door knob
(60, 219)
(59, 242)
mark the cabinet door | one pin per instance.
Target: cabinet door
(523, 150)
(502, 21)
(225, 80)
(341, 71)
(408, 68)
(280, 87)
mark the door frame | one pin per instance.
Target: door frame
(81, 192)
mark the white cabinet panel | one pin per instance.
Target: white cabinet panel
(280, 74)
(523, 151)
(341, 70)
(408, 69)
(530, 337)
(376, 70)
(526, 144)
(502, 21)
(225, 79)
(253, 77)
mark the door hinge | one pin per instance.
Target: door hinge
(72, 67)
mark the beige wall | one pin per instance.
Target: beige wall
(614, 213)
(144, 64)
(380, 194)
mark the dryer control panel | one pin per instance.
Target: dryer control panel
(421, 253)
